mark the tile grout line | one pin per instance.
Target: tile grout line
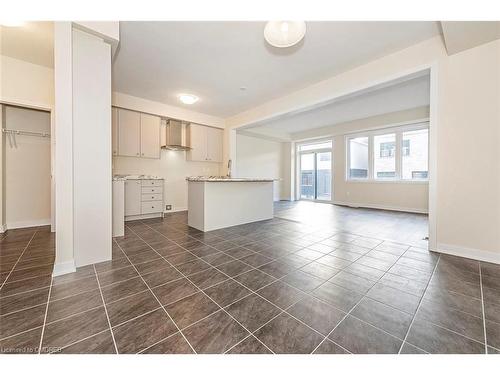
(105, 310)
(418, 307)
(306, 293)
(213, 267)
(196, 286)
(482, 308)
(154, 295)
(45, 320)
(18, 259)
(357, 303)
(310, 261)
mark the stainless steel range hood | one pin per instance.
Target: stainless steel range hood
(173, 135)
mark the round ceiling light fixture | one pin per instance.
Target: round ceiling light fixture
(283, 34)
(188, 98)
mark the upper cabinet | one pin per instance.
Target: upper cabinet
(150, 136)
(205, 143)
(138, 134)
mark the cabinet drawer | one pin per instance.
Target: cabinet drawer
(151, 197)
(151, 207)
(152, 190)
(152, 182)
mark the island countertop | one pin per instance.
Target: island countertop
(227, 179)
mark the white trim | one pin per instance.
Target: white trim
(466, 252)
(64, 268)
(381, 207)
(3, 228)
(27, 224)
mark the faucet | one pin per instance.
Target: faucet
(229, 162)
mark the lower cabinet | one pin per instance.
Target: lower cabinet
(143, 198)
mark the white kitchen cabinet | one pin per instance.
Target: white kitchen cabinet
(133, 197)
(143, 199)
(150, 136)
(214, 144)
(205, 143)
(129, 133)
(114, 130)
(135, 134)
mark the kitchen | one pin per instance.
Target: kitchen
(146, 150)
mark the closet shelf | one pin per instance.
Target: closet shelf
(25, 132)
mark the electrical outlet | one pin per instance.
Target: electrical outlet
(168, 207)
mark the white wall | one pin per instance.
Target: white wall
(27, 169)
(173, 167)
(258, 157)
(23, 83)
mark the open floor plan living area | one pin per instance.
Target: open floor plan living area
(313, 188)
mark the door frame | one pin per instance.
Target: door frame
(298, 154)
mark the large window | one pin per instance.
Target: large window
(415, 154)
(358, 157)
(384, 156)
(395, 154)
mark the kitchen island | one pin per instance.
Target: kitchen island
(221, 202)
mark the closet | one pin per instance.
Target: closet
(26, 176)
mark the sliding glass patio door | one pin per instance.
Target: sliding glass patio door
(316, 171)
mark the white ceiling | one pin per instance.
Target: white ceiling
(398, 96)
(33, 42)
(159, 60)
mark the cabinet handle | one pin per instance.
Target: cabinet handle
(142, 154)
(137, 154)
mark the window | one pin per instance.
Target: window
(405, 147)
(358, 157)
(399, 154)
(414, 165)
(384, 156)
(388, 149)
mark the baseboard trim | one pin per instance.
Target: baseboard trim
(63, 268)
(27, 224)
(466, 252)
(179, 209)
(3, 228)
(381, 207)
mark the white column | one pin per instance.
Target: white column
(82, 146)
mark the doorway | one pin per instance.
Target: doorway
(315, 166)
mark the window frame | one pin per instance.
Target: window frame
(398, 131)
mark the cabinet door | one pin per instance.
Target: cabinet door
(129, 132)
(197, 140)
(214, 144)
(133, 192)
(150, 136)
(114, 130)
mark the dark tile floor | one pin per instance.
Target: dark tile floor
(277, 286)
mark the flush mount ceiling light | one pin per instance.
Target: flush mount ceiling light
(12, 23)
(283, 34)
(188, 98)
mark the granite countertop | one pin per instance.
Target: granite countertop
(227, 179)
(123, 177)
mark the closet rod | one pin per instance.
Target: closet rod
(24, 132)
